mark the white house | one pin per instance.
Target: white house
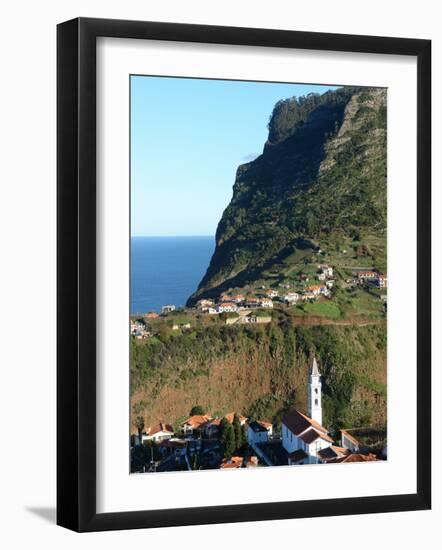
(196, 422)
(168, 308)
(252, 302)
(227, 307)
(291, 297)
(237, 298)
(349, 441)
(304, 436)
(366, 275)
(157, 433)
(317, 290)
(259, 431)
(138, 330)
(204, 305)
(321, 276)
(326, 270)
(271, 293)
(266, 302)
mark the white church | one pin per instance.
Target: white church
(304, 437)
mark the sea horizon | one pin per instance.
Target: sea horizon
(166, 269)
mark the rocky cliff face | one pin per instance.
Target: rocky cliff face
(322, 175)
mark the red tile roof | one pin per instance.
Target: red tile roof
(197, 420)
(234, 462)
(367, 274)
(252, 461)
(264, 424)
(357, 457)
(260, 427)
(152, 430)
(315, 287)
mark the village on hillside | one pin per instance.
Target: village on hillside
(324, 293)
(233, 441)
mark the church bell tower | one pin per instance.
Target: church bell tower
(314, 394)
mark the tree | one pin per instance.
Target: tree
(195, 464)
(139, 422)
(238, 432)
(244, 436)
(196, 410)
(138, 460)
(227, 438)
(152, 451)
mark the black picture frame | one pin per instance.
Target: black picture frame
(76, 273)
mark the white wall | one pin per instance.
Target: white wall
(289, 440)
(27, 219)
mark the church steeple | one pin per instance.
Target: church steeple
(314, 393)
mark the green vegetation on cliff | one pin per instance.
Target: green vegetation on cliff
(261, 371)
(320, 184)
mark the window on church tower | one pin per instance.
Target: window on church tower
(316, 402)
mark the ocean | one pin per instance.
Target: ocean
(167, 270)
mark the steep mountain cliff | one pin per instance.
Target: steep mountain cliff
(320, 183)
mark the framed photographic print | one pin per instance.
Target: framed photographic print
(243, 274)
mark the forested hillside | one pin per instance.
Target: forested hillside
(261, 371)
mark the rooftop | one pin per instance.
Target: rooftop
(297, 455)
(152, 430)
(298, 423)
(260, 426)
(315, 371)
(197, 420)
(234, 462)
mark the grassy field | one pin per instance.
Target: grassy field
(324, 309)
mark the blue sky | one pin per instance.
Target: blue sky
(188, 137)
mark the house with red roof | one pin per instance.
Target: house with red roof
(159, 432)
(303, 436)
(239, 462)
(196, 422)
